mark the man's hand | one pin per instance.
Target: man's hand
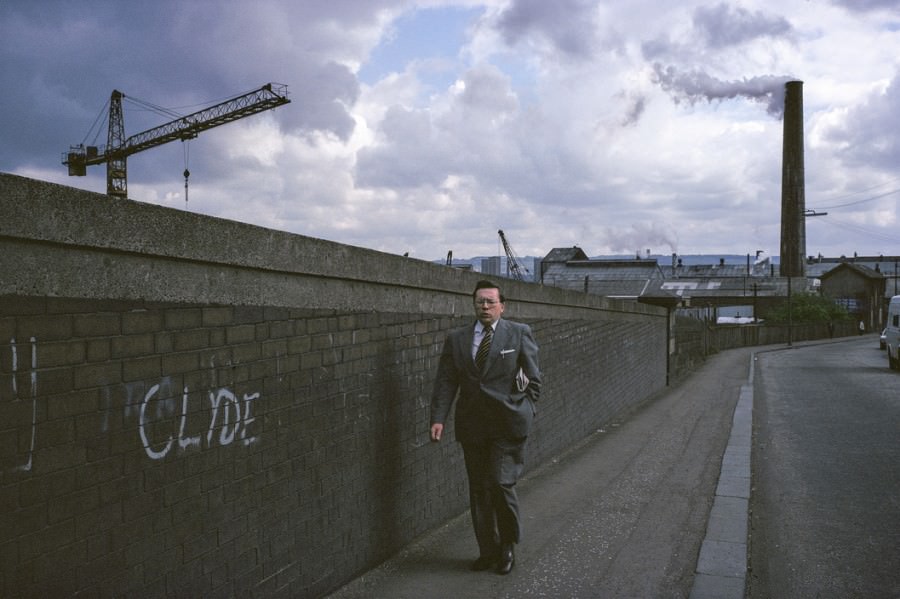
(437, 430)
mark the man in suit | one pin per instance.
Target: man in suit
(493, 366)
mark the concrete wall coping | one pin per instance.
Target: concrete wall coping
(65, 242)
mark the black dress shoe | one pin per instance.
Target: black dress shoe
(507, 559)
(484, 562)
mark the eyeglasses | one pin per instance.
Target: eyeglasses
(486, 302)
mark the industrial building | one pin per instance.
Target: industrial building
(862, 285)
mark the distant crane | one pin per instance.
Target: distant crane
(514, 266)
(118, 148)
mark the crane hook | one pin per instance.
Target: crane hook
(187, 174)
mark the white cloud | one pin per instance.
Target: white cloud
(615, 126)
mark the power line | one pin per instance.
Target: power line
(878, 197)
(868, 189)
(868, 232)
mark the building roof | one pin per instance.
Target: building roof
(657, 296)
(711, 271)
(645, 279)
(565, 254)
(610, 278)
(816, 267)
(859, 269)
(734, 287)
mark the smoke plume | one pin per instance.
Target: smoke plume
(695, 86)
(640, 236)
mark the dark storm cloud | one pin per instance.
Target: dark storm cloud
(63, 59)
(61, 64)
(723, 25)
(322, 98)
(867, 142)
(567, 24)
(866, 5)
(716, 28)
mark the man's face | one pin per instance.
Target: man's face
(488, 306)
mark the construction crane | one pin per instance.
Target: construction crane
(119, 148)
(514, 267)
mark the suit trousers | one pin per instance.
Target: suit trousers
(493, 466)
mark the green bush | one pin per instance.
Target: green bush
(808, 308)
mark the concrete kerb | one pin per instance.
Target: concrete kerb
(722, 565)
(721, 571)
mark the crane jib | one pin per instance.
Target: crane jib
(265, 98)
(189, 126)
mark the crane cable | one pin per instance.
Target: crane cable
(171, 113)
(187, 173)
(96, 128)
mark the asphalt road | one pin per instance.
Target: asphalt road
(825, 504)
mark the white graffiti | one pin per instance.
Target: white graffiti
(230, 417)
(15, 368)
(233, 425)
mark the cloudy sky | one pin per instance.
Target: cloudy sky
(426, 126)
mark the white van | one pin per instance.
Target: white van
(892, 333)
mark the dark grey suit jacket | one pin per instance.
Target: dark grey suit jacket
(490, 405)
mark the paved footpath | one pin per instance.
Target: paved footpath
(647, 507)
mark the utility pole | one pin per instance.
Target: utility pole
(790, 316)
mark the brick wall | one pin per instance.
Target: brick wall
(243, 412)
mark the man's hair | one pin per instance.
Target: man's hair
(484, 284)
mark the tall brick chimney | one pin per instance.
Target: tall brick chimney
(793, 195)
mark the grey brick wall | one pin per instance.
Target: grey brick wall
(193, 437)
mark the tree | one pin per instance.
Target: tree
(808, 308)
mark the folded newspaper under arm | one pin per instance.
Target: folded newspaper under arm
(521, 380)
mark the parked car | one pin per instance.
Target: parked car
(892, 333)
(882, 341)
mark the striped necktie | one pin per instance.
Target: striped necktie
(484, 348)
